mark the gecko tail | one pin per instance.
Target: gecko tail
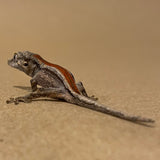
(90, 104)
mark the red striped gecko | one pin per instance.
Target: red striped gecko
(58, 83)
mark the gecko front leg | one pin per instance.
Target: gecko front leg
(33, 85)
(55, 93)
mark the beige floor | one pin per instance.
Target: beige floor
(113, 47)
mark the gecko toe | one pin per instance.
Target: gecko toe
(11, 100)
(93, 98)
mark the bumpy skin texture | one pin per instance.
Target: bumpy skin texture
(58, 83)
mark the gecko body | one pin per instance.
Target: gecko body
(58, 83)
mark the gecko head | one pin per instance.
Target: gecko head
(24, 61)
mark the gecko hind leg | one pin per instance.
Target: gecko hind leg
(83, 91)
(55, 93)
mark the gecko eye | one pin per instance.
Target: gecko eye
(25, 64)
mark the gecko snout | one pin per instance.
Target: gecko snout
(12, 62)
(9, 62)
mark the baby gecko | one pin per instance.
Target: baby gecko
(58, 83)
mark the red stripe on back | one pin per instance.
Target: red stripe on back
(65, 73)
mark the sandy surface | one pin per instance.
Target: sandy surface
(113, 47)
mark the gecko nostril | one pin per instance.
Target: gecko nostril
(9, 62)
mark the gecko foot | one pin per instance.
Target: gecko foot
(18, 99)
(93, 98)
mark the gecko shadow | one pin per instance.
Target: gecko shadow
(60, 100)
(23, 88)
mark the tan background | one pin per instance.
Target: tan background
(113, 47)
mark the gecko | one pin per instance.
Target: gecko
(58, 83)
